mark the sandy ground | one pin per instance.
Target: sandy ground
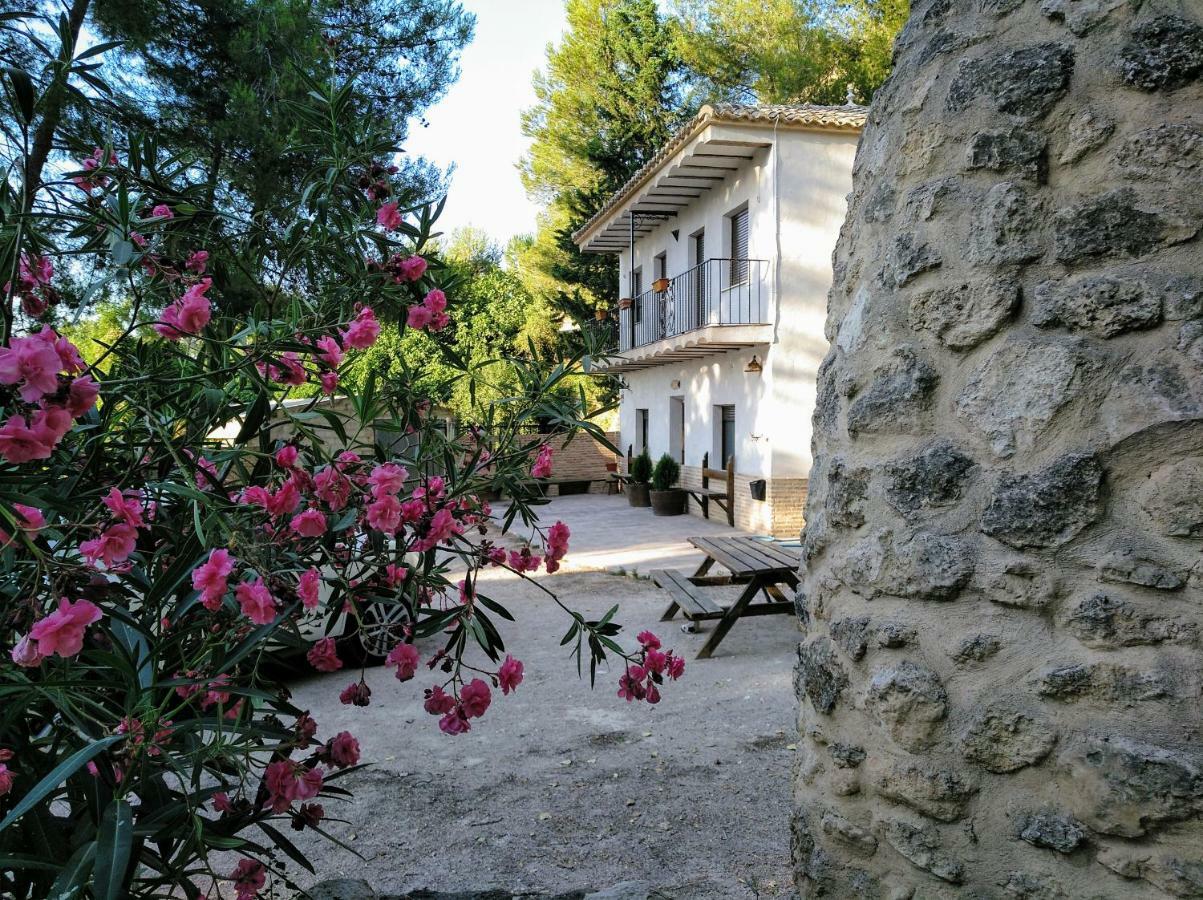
(560, 787)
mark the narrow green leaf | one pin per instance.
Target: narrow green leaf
(113, 844)
(57, 776)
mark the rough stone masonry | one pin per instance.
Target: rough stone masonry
(1002, 592)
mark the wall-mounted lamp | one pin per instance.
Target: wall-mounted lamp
(675, 384)
(753, 365)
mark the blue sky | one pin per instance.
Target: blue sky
(477, 125)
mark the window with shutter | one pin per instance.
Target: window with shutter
(727, 446)
(699, 278)
(739, 247)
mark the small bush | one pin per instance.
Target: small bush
(666, 473)
(641, 468)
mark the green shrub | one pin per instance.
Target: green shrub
(666, 473)
(641, 468)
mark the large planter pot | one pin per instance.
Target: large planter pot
(637, 495)
(668, 503)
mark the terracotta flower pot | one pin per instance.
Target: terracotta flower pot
(626, 303)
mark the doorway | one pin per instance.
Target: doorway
(676, 428)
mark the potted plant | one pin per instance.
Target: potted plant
(667, 499)
(625, 303)
(660, 285)
(641, 474)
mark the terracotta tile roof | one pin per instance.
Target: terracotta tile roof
(850, 117)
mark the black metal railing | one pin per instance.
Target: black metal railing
(714, 292)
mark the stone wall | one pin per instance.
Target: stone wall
(1002, 587)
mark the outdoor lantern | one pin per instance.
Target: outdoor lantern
(753, 365)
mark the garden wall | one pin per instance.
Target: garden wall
(1002, 588)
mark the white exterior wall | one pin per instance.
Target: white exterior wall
(773, 409)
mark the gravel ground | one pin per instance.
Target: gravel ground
(560, 787)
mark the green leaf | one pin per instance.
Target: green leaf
(113, 844)
(57, 776)
(74, 876)
(23, 93)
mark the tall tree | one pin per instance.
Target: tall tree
(216, 77)
(787, 51)
(608, 98)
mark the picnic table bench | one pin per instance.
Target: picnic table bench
(761, 566)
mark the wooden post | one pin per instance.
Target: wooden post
(731, 490)
(705, 485)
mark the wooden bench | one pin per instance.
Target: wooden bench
(762, 567)
(685, 596)
(724, 499)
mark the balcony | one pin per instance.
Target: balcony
(718, 305)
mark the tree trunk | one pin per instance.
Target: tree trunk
(52, 107)
(1002, 587)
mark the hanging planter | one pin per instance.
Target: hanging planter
(626, 303)
(660, 285)
(600, 314)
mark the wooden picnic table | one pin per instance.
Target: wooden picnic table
(761, 566)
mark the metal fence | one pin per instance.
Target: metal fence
(715, 292)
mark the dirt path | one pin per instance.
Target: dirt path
(560, 787)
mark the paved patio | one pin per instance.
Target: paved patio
(610, 535)
(562, 787)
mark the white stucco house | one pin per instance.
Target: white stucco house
(724, 241)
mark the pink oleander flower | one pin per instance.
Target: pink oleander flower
(197, 262)
(443, 526)
(411, 268)
(509, 676)
(288, 781)
(332, 488)
(283, 500)
(455, 722)
(6, 779)
(188, 315)
(221, 802)
(25, 653)
(405, 657)
(81, 396)
(676, 666)
(162, 211)
(125, 506)
(357, 693)
(35, 270)
(438, 701)
(496, 556)
(256, 601)
(435, 301)
(362, 332)
(387, 217)
(385, 514)
(32, 362)
(524, 561)
(329, 352)
(286, 456)
(112, 547)
(395, 574)
(310, 523)
(630, 688)
(329, 382)
(49, 424)
(211, 578)
(474, 698)
(557, 545)
(387, 479)
(308, 586)
(290, 370)
(68, 353)
(343, 750)
(249, 877)
(62, 631)
(323, 656)
(648, 640)
(542, 465)
(29, 519)
(418, 317)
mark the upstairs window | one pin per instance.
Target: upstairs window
(739, 247)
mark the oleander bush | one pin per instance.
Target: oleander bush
(179, 515)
